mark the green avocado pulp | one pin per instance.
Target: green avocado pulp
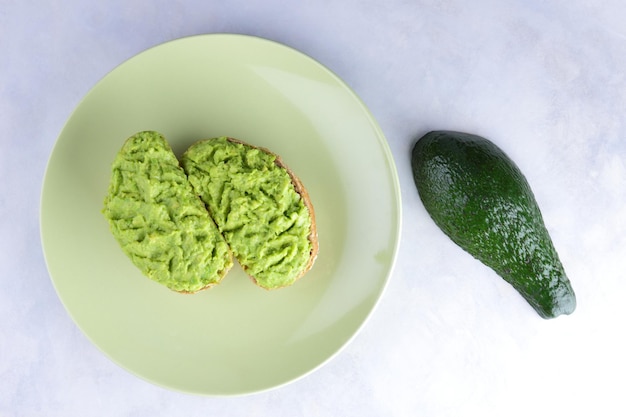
(256, 207)
(159, 221)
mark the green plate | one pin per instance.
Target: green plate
(235, 338)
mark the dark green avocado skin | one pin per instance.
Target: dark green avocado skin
(479, 198)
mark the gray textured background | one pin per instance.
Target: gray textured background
(544, 80)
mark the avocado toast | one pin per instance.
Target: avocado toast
(259, 205)
(159, 221)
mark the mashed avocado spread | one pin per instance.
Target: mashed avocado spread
(256, 207)
(159, 221)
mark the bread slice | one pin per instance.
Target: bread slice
(158, 219)
(261, 207)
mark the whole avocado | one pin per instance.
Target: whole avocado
(479, 198)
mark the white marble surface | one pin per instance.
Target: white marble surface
(544, 80)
